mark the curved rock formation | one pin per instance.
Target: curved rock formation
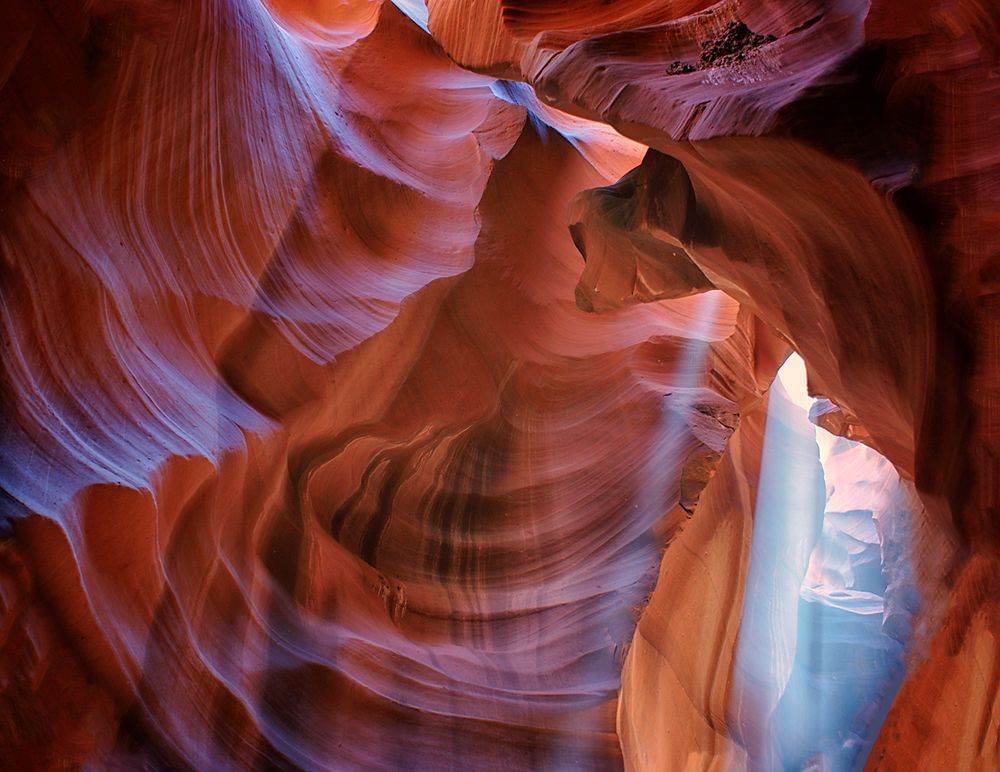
(389, 385)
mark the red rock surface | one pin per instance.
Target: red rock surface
(358, 370)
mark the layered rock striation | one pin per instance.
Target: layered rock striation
(389, 386)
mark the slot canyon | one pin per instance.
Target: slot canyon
(500, 385)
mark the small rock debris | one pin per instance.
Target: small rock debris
(732, 46)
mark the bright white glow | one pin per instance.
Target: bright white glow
(815, 667)
(416, 10)
(792, 377)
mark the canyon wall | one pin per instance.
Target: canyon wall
(389, 386)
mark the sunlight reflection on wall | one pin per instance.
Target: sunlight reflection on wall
(829, 593)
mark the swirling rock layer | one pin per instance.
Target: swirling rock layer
(362, 359)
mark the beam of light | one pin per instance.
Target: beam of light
(817, 661)
(637, 552)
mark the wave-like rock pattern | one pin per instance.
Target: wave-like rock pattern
(861, 131)
(318, 464)
(324, 448)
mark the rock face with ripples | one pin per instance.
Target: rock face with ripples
(389, 385)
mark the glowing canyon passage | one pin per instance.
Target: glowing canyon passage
(500, 385)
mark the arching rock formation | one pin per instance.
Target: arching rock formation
(324, 448)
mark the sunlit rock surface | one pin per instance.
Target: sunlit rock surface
(391, 385)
